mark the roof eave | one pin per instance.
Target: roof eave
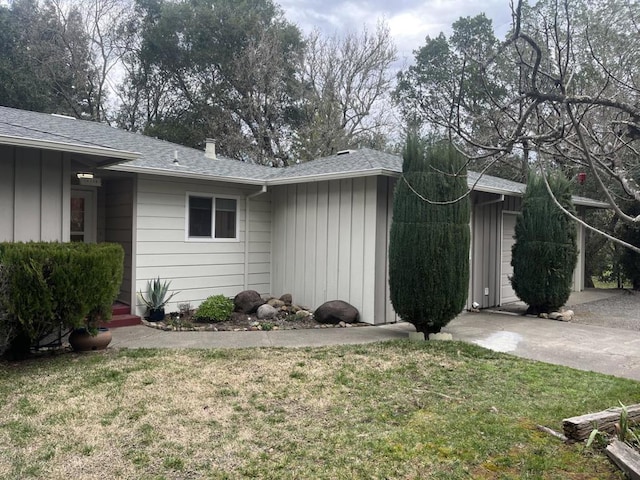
(332, 176)
(587, 202)
(115, 156)
(181, 174)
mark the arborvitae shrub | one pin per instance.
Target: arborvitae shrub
(429, 244)
(46, 285)
(216, 308)
(545, 251)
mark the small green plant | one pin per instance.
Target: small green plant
(216, 308)
(179, 322)
(156, 294)
(624, 428)
(266, 326)
(625, 431)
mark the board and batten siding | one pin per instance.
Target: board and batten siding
(486, 247)
(327, 243)
(198, 269)
(34, 195)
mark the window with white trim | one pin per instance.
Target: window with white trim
(211, 218)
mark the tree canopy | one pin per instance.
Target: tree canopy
(562, 90)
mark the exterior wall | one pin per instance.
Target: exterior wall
(578, 273)
(197, 269)
(386, 187)
(326, 242)
(115, 202)
(34, 195)
(490, 263)
(486, 247)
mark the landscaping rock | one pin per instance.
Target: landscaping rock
(275, 303)
(300, 314)
(336, 311)
(566, 316)
(287, 298)
(266, 311)
(247, 301)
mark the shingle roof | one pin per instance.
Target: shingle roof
(157, 156)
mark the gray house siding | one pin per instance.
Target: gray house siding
(198, 269)
(327, 242)
(486, 248)
(34, 195)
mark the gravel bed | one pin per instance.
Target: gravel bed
(621, 311)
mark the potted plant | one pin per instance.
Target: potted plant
(92, 336)
(156, 298)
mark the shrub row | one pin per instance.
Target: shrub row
(47, 285)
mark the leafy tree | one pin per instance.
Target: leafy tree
(429, 244)
(545, 251)
(57, 56)
(446, 79)
(563, 85)
(346, 82)
(218, 68)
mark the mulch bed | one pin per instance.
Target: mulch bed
(240, 322)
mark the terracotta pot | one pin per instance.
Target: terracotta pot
(82, 341)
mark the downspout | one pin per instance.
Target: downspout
(247, 230)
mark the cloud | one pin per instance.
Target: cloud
(409, 21)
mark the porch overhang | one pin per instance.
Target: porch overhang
(100, 156)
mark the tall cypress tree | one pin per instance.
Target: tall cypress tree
(429, 244)
(545, 252)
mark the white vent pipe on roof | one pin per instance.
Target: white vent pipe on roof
(210, 148)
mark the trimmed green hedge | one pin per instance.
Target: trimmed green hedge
(46, 285)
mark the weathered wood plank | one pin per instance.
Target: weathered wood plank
(579, 428)
(626, 458)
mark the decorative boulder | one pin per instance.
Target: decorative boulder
(247, 301)
(287, 298)
(275, 303)
(266, 311)
(336, 311)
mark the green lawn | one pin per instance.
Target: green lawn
(393, 410)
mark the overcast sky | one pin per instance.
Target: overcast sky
(409, 21)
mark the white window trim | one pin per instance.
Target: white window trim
(213, 238)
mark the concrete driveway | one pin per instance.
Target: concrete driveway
(585, 347)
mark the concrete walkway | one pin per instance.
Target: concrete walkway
(586, 347)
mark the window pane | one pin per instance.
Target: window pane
(225, 204)
(226, 217)
(200, 209)
(77, 214)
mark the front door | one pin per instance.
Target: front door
(83, 215)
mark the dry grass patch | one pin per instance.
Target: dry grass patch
(392, 410)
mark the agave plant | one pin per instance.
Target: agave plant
(156, 297)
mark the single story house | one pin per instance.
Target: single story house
(213, 225)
